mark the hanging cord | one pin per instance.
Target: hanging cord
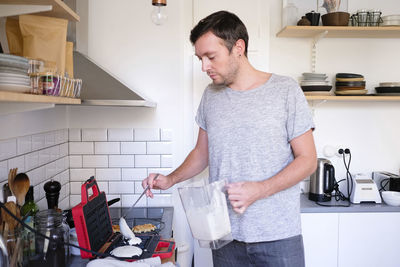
(99, 254)
(349, 177)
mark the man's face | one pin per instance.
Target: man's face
(220, 65)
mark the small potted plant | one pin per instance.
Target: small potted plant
(333, 16)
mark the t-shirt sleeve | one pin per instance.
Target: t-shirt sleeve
(200, 116)
(299, 114)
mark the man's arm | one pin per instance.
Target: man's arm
(243, 194)
(195, 163)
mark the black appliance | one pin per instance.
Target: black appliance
(322, 181)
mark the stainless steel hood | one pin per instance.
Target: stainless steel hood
(101, 88)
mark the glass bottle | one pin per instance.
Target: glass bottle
(50, 253)
(289, 14)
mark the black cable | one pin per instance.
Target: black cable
(387, 180)
(99, 254)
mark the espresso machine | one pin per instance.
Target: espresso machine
(322, 181)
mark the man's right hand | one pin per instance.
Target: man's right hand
(162, 182)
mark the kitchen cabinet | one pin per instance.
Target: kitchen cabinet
(317, 32)
(320, 238)
(369, 239)
(366, 239)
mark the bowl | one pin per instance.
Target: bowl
(336, 19)
(392, 198)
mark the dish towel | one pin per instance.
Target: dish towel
(111, 262)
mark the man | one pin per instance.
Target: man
(256, 132)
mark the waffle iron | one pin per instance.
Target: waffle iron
(94, 228)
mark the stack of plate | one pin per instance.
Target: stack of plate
(14, 74)
(350, 84)
(391, 20)
(388, 88)
(315, 84)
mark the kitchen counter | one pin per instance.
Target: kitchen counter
(308, 206)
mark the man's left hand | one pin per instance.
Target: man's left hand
(242, 194)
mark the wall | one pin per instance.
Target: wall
(367, 128)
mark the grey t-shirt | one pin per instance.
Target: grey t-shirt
(248, 140)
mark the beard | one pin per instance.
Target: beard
(230, 76)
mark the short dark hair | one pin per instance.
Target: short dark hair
(224, 25)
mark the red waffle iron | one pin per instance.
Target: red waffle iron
(94, 228)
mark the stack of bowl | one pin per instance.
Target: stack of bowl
(350, 84)
(315, 84)
(388, 88)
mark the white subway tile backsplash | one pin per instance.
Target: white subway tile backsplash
(38, 141)
(166, 161)
(24, 145)
(94, 134)
(108, 174)
(18, 162)
(134, 174)
(49, 139)
(81, 174)
(3, 171)
(65, 177)
(120, 134)
(42, 204)
(121, 161)
(59, 137)
(121, 187)
(75, 187)
(75, 161)
(60, 165)
(8, 148)
(64, 150)
(31, 160)
(81, 148)
(147, 135)
(44, 156)
(36, 193)
(36, 176)
(147, 161)
(159, 148)
(160, 200)
(107, 148)
(75, 135)
(95, 161)
(67, 189)
(133, 147)
(51, 170)
(166, 134)
(54, 152)
(138, 187)
(129, 200)
(66, 162)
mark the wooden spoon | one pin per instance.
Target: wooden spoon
(20, 187)
(10, 221)
(11, 176)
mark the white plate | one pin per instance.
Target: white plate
(15, 88)
(313, 83)
(16, 75)
(389, 84)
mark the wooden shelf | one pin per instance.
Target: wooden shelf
(59, 8)
(30, 98)
(354, 98)
(339, 32)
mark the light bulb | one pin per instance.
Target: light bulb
(158, 15)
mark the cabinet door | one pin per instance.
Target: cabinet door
(369, 239)
(320, 235)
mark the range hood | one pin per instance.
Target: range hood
(101, 88)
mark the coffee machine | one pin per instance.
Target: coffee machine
(322, 181)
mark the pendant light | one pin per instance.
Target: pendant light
(158, 15)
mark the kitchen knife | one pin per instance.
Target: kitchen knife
(144, 191)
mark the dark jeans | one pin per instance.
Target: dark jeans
(287, 252)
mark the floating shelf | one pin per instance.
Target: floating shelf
(19, 97)
(58, 8)
(354, 98)
(339, 32)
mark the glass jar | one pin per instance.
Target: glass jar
(50, 253)
(289, 14)
(14, 243)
